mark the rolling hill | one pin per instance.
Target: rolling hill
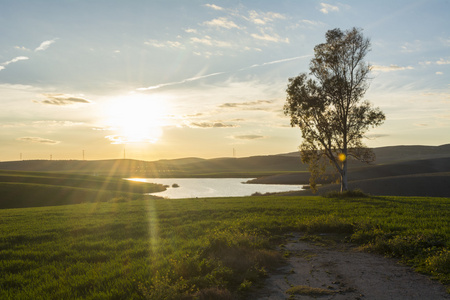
(218, 167)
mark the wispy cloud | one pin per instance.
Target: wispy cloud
(54, 123)
(179, 82)
(443, 61)
(390, 68)
(221, 22)
(119, 140)
(273, 37)
(277, 61)
(411, 47)
(245, 104)
(164, 44)
(219, 73)
(372, 136)
(61, 99)
(263, 18)
(326, 8)
(208, 41)
(40, 124)
(211, 125)
(15, 59)
(310, 23)
(38, 140)
(22, 48)
(213, 6)
(249, 137)
(44, 45)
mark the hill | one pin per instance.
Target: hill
(426, 177)
(20, 189)
(254, 166)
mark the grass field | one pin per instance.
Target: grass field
(200, 248)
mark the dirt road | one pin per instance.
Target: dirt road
(340, 271)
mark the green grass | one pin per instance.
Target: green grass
(213, 248)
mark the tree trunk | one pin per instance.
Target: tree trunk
(344, 177)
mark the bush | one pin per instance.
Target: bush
(439, 263)
(356, 193)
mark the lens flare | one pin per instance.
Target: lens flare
(342, 157)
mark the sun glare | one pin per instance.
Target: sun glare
(136, 119)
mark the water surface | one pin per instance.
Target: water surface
(214, 187)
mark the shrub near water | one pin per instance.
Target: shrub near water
(199, 248)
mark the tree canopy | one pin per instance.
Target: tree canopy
(327, 104)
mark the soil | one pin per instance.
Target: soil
(340, 271)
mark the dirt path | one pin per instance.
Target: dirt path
(342, 272)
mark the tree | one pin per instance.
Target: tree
(327, 106)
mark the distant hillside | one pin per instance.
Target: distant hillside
(421, 185)
(20, 189)
(413, 167)
(254, 166)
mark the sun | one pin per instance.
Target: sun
(136, 118)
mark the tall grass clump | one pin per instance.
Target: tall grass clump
(356, 193)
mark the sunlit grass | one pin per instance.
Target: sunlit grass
(192, 248)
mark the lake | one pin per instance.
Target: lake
(214, 187)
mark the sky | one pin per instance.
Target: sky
(158, 79)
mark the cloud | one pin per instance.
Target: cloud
(210, 42)
(164, 44)
(443, 62)
(210, 125)
(411, 47)
(277, 61)
(245, 104)
(263, 18)
(219, 73)
(309, 23)
(22, 48)
(390, 68)
(213, 6)
(179, 82)
(118, 140)
(38, 140)
(15, 59)
(44, 45)
(39, 124)
(221, 22)
(326, 8)
(270, 38)
(248, 137)
(54, 123)
(371, 136)
(61, 99)
(439, 73)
